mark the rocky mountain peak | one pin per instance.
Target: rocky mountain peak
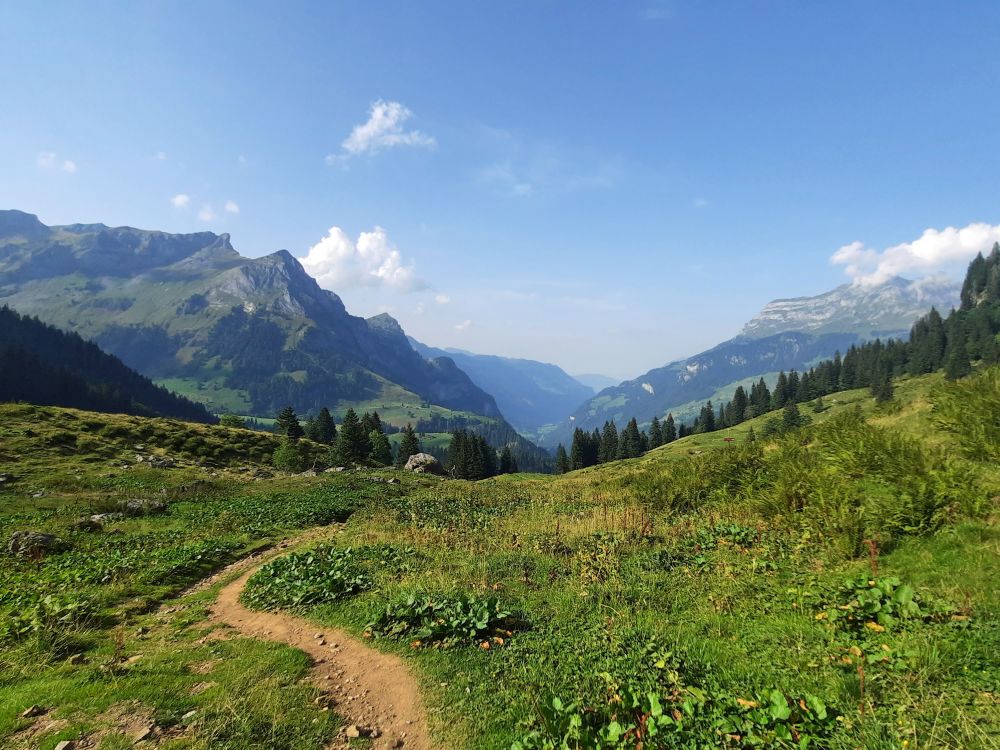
(887, 308)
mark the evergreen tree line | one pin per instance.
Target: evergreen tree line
(41, 364)
(497, 433)
(470, 456)
(967, 335)
(359, 440)
(607, 444)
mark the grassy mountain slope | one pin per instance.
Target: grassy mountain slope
(720, 590)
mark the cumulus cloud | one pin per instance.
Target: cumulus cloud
(206, 213)
(50, 160)
(464, 325)
(336, 261)
(933, 250)
(382, 130)
(232, 207)
(442, 299)
(181, 200)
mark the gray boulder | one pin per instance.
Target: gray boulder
(34, 544)
(142, 507)
(424, 463)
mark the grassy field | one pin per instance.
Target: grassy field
(834, 587)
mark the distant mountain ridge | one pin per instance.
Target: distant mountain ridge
(869, 311)
(188, 307)
(529, 393)
(786, 334)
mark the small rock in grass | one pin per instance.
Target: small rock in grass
(65, 745)
(32, 711)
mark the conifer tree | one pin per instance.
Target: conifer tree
(751, 435)
(956, 363)
(506, 461)
(790, 416)
(322, 428)
(381, 449)
(562, 460)
(629, 442)
(881, 386)
(287, 424)
(608, 450)
(669, 429)
(409, 445)
(655, 433)
(352, 443)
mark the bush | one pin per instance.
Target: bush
(442, 621)
(315, 576)
(289, 456)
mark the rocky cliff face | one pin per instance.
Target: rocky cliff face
(868, 311)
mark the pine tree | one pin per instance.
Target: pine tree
(324, 427)
(409, 445)
(706, 419)
(655, 433)
(790, 416)
(751, 435)
(956, 363)
(562, 460)
(629, 442)
(287, 424)
(608, 450)
(506, 461)
(669, 429)
(780, 394)
(740, 403)
(881, 386)
(352, 443)
(381, 449)
(372, 422)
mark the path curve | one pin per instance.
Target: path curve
(370, 690)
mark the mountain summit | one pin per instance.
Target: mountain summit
(869, 311)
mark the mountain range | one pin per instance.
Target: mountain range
(251, 335)
(530, 394)
(239, 334)
(786, 334)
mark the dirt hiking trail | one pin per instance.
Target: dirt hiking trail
(374, 693)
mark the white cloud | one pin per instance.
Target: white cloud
(383, 129)
(336, 261)
(206, 213)
(50, 160)
(232, 207)
(442, 299)
(464, 325)
(181, 200)
(932, 251)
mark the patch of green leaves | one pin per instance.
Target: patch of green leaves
(314, 576)
(443, 621)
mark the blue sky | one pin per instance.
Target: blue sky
(608, 186)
